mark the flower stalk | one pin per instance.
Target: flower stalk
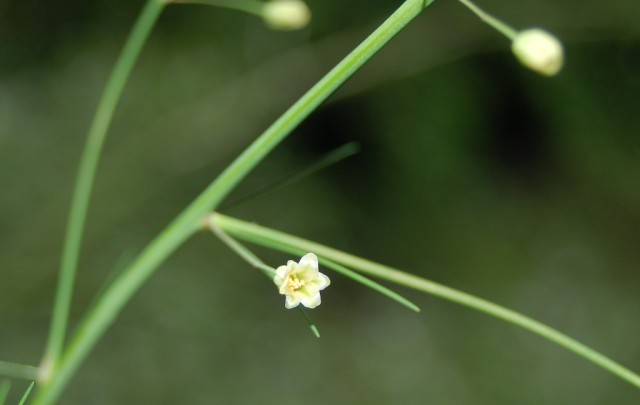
(285, 15)
(536, 49)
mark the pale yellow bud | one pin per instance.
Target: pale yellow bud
(539, 51)
(286, 14)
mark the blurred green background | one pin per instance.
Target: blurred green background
(473, 172)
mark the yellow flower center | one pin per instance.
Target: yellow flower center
(294, 282)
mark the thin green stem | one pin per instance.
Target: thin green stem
(366, 282)
(254, 7)
(243, 252)
(333, 157)
(84, 181)
(111, 303)
(26, 394)
(312, 326)
(491, 20)
(16, 370)
(282, 241)
(5, 386)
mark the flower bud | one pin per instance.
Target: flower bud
(286, 15)
(539, 51)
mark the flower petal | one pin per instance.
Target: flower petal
(309, 260)
(323, 281)
(311, 301)
(292, 301)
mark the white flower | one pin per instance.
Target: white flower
(301, 282)
(539, 51)
(286, 14)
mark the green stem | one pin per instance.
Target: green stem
(505, 29)
(26, 394)
(111, 303)
(16, 370)
(357, 277)
(5, 386)
(327, 160)
(312, 326)
(282, 241)
(243, 252)
(84, 181)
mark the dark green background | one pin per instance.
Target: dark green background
(473, 172)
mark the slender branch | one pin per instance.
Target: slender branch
(307, 318)
(292, 244)
(505, 29)
(26, 394)
(369, 283)
(331, 158)
(5, 387)
(242, 251)
(16, 370)
(84, 181)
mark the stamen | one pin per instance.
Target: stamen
(295, 283)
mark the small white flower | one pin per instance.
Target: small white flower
(539, 51)
(286, 14)
(301, 282)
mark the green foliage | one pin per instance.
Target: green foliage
(474, 173)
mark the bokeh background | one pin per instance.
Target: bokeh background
(473, 172)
